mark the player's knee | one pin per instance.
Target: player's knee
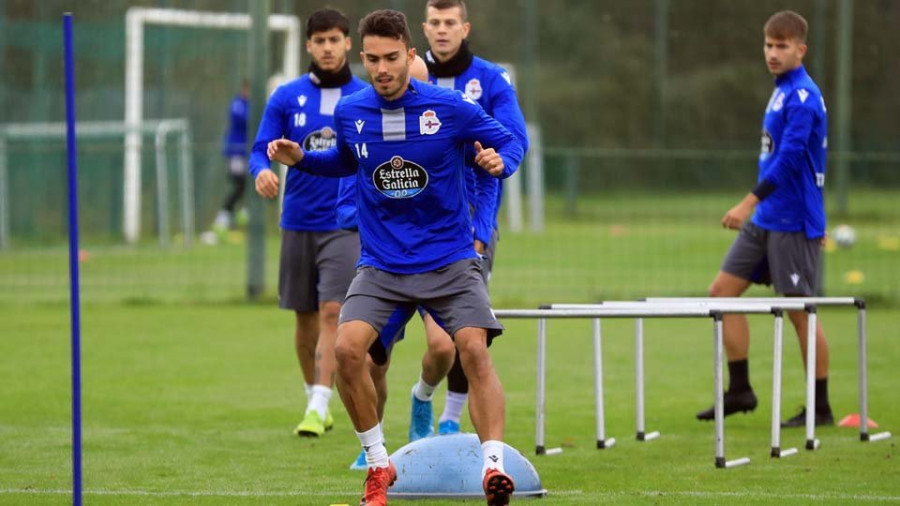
(473, 354)
(329, 313)
(716, 290)
(443, 349)
(347, 355)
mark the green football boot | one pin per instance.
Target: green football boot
(311, 426)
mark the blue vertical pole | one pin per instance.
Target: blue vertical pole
(73, 260)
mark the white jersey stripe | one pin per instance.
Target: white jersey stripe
(446, 82)
(330, 97)
(393, 124)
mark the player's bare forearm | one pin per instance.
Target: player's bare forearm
(737, 215)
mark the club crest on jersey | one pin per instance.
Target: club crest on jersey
(779, 102)
(320, 140)
(399, 179)
(767, 145)
(473, 89)
(429, 123)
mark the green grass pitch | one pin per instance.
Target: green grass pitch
(194, 404)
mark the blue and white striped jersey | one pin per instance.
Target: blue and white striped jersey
(794, 145)
(489, 85)
(303, 112)
(408, 155)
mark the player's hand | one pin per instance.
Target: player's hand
(488, 159)
(737, 215)
(479, 247)
(267, 184)
(284, 151)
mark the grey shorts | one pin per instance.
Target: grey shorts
(788, 260)
(316, 267)
(454, 295)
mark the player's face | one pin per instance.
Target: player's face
(387, 60)
(329, 49)
(445, 31)
(783, 55)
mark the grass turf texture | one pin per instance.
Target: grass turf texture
(617, 246)
(194, 404)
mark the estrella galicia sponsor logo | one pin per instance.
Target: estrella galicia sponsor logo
(320, 140)
(399, 179)
(767, 145)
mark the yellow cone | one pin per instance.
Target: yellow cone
(854, 277)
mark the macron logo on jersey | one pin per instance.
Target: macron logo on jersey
(301, 100)
(803, 94)
(359, 125)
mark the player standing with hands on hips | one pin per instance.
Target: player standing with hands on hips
(782, 242)
(407, 142)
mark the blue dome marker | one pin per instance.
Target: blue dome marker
(450, 467)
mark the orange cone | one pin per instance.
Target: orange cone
(852, 420)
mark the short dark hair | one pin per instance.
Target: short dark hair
(448, 4)
(786, 25)
(325, 19)
(385, 23)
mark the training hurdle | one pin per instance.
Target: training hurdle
(776, 307)
(636, 310)
(862, 359)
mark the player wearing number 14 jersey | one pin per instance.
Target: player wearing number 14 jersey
(406, 143)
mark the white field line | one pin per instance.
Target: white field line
(553, 493)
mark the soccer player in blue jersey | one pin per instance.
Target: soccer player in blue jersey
(318, 257)
(235, 152)
(406, 141)
(452, 65)
(781, 243)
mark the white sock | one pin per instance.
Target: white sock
(223, 218)
(423, 391)
(308, 389)
(454, 406)
(372, 442)
(492, 452)
(319, 399)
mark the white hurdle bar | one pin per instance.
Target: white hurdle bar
(862, 367)
(776, 309)
(638, 311)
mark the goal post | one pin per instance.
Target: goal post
(136, 18)
(160, 129)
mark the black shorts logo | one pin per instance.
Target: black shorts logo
(399, 179)
(320, 140)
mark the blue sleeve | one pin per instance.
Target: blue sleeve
(476, 125)
(347, 216)
(337, 161)
(484, 202)
(506, 110)
(799, 118)
(271, 127)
